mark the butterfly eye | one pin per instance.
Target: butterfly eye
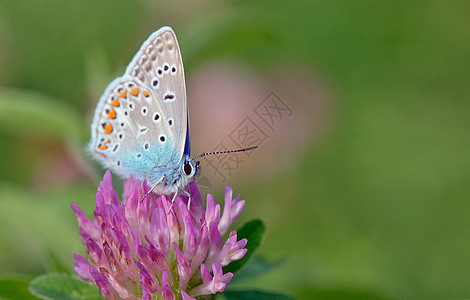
(187, 168)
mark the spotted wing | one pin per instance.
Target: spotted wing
(159, 66)
(130, 135)
(141, 121)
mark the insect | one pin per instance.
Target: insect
(141, 122)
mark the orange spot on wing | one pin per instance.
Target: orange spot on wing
(145, 93)
(123, 94)
(115, 102)
(108, 128)
(112, 114)
(104, 146)
(135, 91)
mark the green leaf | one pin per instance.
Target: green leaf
(258, 295)
(15, 288)
(57, 286)
(257, 266)
(253, 231)
(26, 112)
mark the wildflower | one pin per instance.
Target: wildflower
(142, 249)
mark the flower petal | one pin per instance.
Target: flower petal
(157, 257)
(220, 280)
(191, 236)
(186, 296)
(116, 284)
(131, 202)
(231, 251)
(129, 244)
(212, 210)
(167, 292)
(145, 294)
(171, 220)
(196, 201)
(232, 210)
(184, 267)
(95, 252)
(147, 280)
(102, 283)
(85, 224)
(202, 249)
(215, 284)
(215, 240)
(82, 267)
(106, 185)
(206, 276)
(159, 231)
(214, 236)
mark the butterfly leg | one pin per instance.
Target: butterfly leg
(153, 187)
(183, 192)
(172, 201)
(186, 193)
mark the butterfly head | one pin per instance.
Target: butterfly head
(190, 171)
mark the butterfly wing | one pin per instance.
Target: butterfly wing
(141, 121)
(159, 66)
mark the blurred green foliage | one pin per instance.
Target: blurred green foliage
(380, 210)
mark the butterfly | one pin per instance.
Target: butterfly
(141, 122)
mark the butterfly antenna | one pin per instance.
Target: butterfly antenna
(224, 152)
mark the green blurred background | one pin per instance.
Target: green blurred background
(370, 202)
